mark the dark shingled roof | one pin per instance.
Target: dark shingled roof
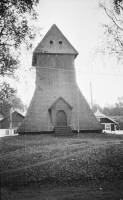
(101, 115)
(8, 116)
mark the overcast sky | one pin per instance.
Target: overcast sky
(80, 21)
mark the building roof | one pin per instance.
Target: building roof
(55, 42)
(116, 117)
(101, 115)
(9, 115)
(58, 100)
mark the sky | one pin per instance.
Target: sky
(80, 21)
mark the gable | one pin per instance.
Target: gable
(60, 102)
(15, 116)
(55, 42)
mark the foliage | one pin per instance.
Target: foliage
(114, 30)
(110, 110)
(95, 106)
(116, 110)
(9, 99)
(14, 30)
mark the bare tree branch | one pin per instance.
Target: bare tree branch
(106, 10)
(114, 30)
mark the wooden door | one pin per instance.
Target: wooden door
(112, 127)
(61, 118)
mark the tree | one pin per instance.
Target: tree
(96, 106)
(114, 30)
(110, 110)
(9, 99)
(14, 30)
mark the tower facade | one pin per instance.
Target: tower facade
(57, 100)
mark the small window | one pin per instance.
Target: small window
(107, 127)
(60, 42)
(51, 42)
(7, 132)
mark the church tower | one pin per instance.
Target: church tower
(57, 100)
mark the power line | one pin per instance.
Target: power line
(72, 70)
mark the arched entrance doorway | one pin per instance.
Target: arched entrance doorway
(61, 118)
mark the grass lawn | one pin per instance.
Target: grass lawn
(88, 166)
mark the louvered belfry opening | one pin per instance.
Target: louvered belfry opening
(57, 100)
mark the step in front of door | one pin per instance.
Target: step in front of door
(63, 131)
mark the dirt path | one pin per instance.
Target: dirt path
(56, 159)
(44, 162)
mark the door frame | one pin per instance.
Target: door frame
(65, 118)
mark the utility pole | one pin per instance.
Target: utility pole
(78, 109)
(10, 114)
(11, 120)
(1, 101)
(91, 95)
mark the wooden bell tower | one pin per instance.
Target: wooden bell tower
(57, 102)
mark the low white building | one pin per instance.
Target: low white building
(108, 124)
(6, 132)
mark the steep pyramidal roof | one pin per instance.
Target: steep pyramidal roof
(99, 114)
(55, 42)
